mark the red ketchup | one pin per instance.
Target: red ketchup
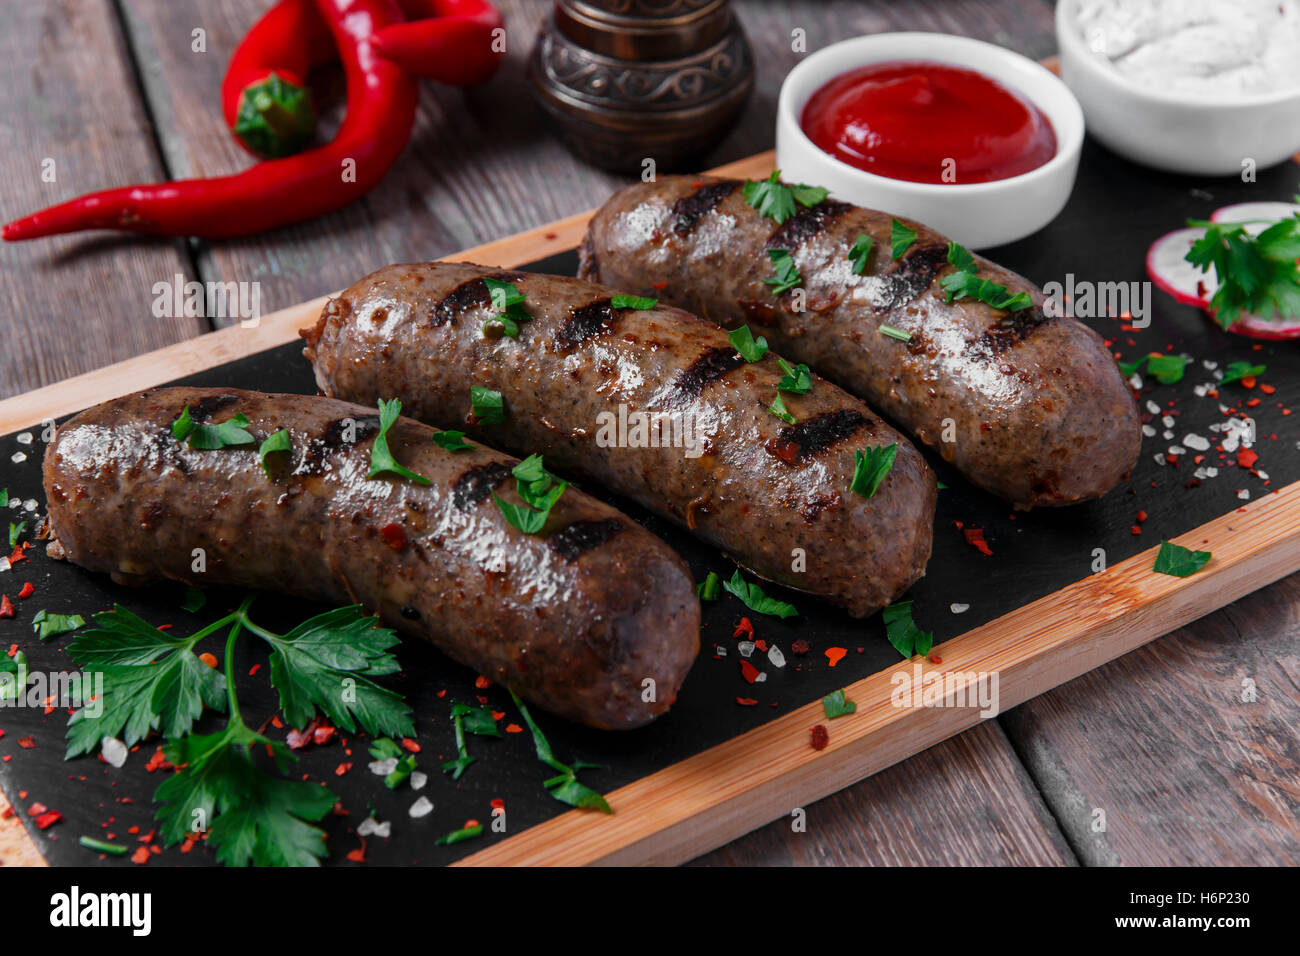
(928, 123)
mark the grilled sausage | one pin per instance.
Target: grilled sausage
(573, 618)
(1027, 406)
(775, 496)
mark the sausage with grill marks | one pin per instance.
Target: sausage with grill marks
(773, 495)
(1030, 407)
(574, 618)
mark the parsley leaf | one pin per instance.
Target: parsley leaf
(632, 302)
(960, 285)
(960, 257)
(894, 333)
(787, 273)
(566, 788)
(1166, 369)
(743, 341)
(508, 302)
(385, 748)
(900, 238)
(778, 409)
(774, 199)
(870, 468)
(752, 596)
(452, 441)
(474, 720)
(486, 406)
(464, 833)
(797, 379)
(1178, 561)
(861, 253)
(325, 664)
(1258, 274)
(209, 437)
(16, 532)
(835, 705)
(381, 458)
(903, 632)
(1235, 372)
(12, 687)
(538, 488)
(710, 588)
(271, 444)
(151, 681)
(47, 625)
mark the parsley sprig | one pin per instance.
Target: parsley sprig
(902, 631)
(1166, 369)
(210, 437)
(860, 254)
(966, 283)
(787, 273)
(381, 457)
(508, 303)
(901, 238)
(797, 378)
(1258, 274)
(475, 720)
(743, 341)
(870, 468)
(776, 200)
(565, 787)
(1178, 561)
(539, 489)
(752, 596)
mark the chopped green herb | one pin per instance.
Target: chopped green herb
(900, 238)
(960, 257)
(385, 748)
(1258, 274)
(381, 459)
(1178, 561)
(1236, 371)
(961, 285)
(942, 486)
(743, 341)
(710, 588)
(870, 468)
(894, 333)
(835, 705)
(508, 302)
(538, 488)
(273, 443)
(860, 254)
(194, 600)
(787, 273)
(486, 406)
(16, 532)
(99, 846)
(475, 720)
(1167, 369)
(752, 596)
(209, 437)
(47, 625)
(776, 200)
(464, 833)
(778, 409)
(12, 687)
(903, 632)
(633, 302)
(797, 379)
(4, 497)
(566, 788)
(452, 441)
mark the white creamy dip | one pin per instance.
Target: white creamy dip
(1220, 49)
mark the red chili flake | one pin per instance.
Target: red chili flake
(17, 556)
(1267, 389)
(27, 591)
(1172, 459)
(552, 235)
(975, 538)
(498, 714)
(820, 738)
(514, 729)
(1252, 403)
(497, 804)
(394, 535)
(1141, 516)
(165, 627)
(341, 769)
(209, 658)
(748, 671)
(744, 627)
(358, 855)
(442, 693)
(482, 683)
(659, 286)
(482, 700)
(1248, 381)
(800, 647)
(936, 659)
(7, 813)
(298, 739)
(322, 734)
(746, 702)
(189, 843)
(47, 820)
(410, 745)
(252, 671)
(36, 809)
(27, 743)
(1246, 458)
(6, 608)
(147, 838)
(835, 654)
(470, 823)
(140, 856)
(760, 645)
(1135, 530)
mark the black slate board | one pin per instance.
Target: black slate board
(1116, 210)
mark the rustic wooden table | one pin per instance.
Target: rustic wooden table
(115, 91)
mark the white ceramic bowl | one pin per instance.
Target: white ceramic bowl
(977, 215)
(1179, 133)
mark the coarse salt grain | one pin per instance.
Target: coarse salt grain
(746, 648)
(720, 650)
(775, 657)
(1152, 407)
(418, 779)
(1209, 365)
(18, 458)
(1263, 475)
(25, 438)
(1167, 421)
(30, 504)
(1177, 450)
(421, 808)
(1160, 459)
(382, 768)
(1149, 431)
(372, 827)
(760, 678)
(1196, 441)
(1200, 390)
(959, 608)
(114, 751)
(1167, 434)
(1243, 494)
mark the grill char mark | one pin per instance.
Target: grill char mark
(574, 540)
(814, 436)
(474, 485)
(1010, 331)
(806, 224)
(712, 365)
(470, 294)
(208, 406)
(587, 322)
(689, 210)
(914, 273)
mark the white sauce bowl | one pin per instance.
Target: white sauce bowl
(977, 215)
(1179, 133)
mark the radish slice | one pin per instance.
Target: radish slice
(1169, 269)
(1242, 212)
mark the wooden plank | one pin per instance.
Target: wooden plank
(716, 796)
(67, 94)
(16, 848)
(1187, 772)
(230, 343)
(964, 802)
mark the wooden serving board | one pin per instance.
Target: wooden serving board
(713, 770)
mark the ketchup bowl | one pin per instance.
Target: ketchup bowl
(975, 214)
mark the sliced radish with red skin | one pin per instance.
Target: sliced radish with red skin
(1247, 212)
(1257, 328)
(1171, 272)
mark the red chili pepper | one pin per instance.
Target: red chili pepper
(448, 41)
(380, 115)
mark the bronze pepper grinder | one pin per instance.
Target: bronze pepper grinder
(628, 80)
